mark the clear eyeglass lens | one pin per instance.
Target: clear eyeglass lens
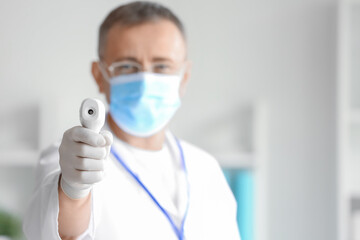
(163, 68)
(124, 68)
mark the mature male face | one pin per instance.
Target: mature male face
(148, 43)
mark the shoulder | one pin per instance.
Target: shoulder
(206, 173)
(198, 159)
(50, 152)
(197, 155)
(48, 161)
(50, 149)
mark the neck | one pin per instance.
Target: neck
(154, 142)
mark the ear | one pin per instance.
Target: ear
(185, 80)
(99, 79)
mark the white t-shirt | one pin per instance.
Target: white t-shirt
(160, 164)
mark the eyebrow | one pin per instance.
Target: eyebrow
(161, 59)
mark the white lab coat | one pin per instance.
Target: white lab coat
(122, 210)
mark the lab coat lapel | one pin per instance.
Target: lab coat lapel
(183, 185)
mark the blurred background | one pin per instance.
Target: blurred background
(274, 95)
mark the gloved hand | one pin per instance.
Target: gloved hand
(83, 153)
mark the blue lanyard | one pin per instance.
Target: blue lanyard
(178, 231)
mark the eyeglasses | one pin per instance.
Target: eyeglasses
(129, 67)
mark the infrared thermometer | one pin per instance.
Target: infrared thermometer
(92, 114)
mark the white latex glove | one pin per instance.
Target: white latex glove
(83, 153)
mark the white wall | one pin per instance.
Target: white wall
(282, 52)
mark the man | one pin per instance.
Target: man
(156, 186)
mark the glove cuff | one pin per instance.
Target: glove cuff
(72, 192)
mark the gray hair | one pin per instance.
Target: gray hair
(136, 13)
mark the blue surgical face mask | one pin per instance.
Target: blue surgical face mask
(143, 103)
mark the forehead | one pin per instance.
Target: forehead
(145, 41)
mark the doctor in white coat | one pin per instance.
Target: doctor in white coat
(143, 183)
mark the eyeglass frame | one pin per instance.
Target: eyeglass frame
(103, 67)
